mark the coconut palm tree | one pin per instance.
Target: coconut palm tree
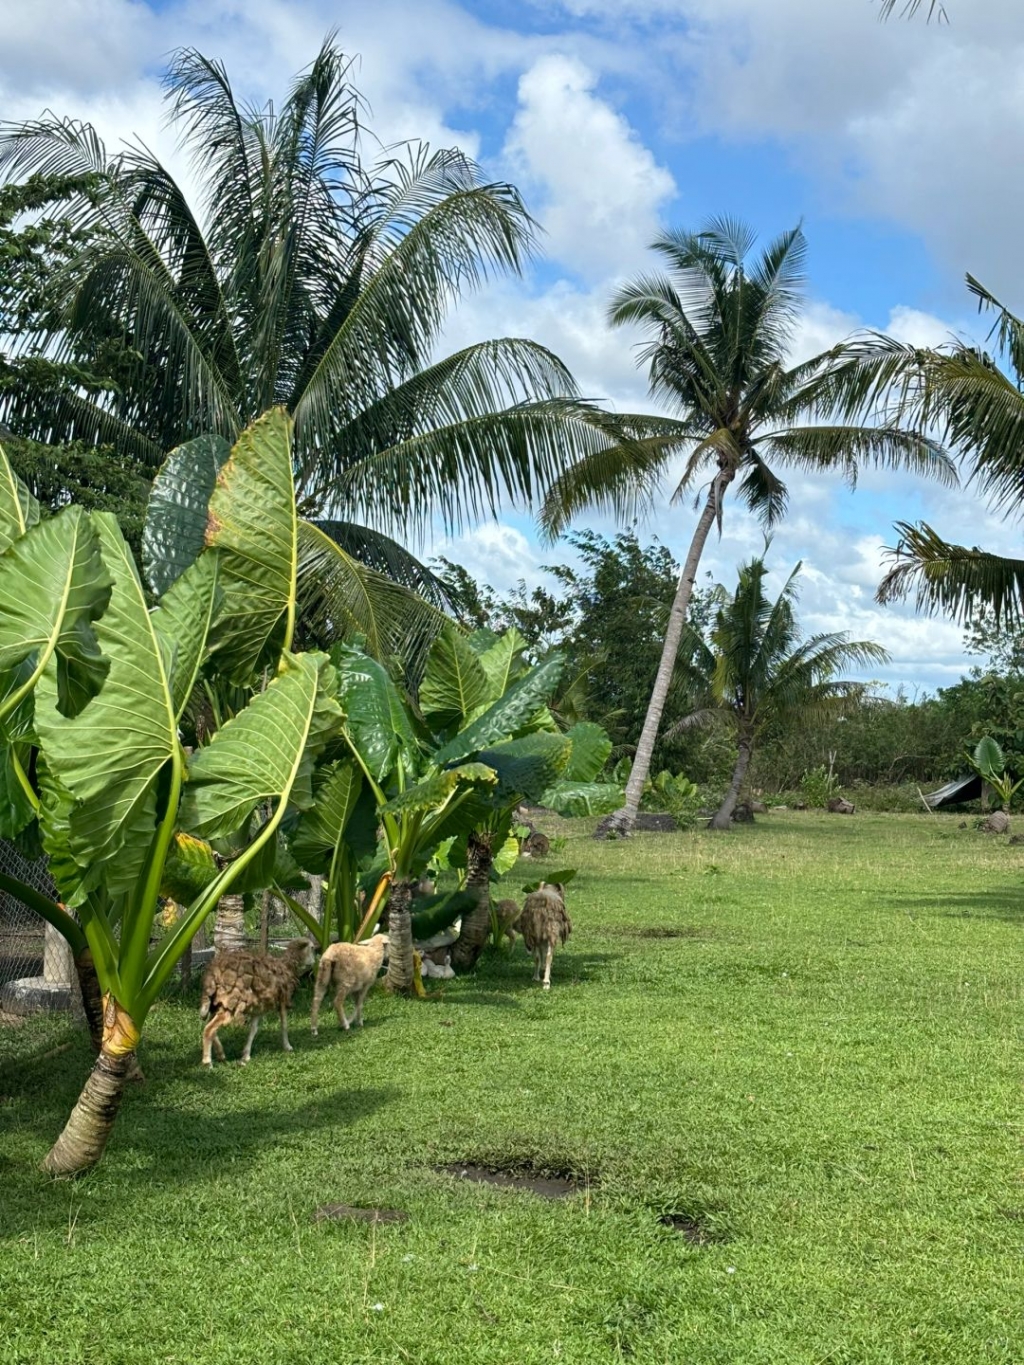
(719, 328)
(980, 409)
(307, 276)
(757, 672)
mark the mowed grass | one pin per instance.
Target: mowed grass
(802, 1038)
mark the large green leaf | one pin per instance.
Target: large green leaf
(266, 752)
(431, 914)
(989, 758)
(527, 767)
(590, 749)
(53, 586)
(17, 809)
(433, 792)
(501, 662)
(571, 798)
(184, 622)
(336, 789)
(175, 528)
(252, 523)
(455, 683)
(111, 755)
(377, 720)
(18, 508)
(510, 714)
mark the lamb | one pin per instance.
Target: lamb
(352, 968)
(242, 982)
(544, 925)
(507, 914)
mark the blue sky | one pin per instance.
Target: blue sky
(898, 146)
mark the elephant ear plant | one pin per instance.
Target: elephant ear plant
(116, 797)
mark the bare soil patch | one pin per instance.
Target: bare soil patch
(546, 1184)
(336, 1213)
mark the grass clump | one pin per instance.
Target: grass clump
(794, 1125)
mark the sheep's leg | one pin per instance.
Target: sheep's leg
(284, 1028)
(210, 1038)
(247, 1051)
(547, 966)
(339, 1008)
(536, 963)
(322, 980)
(218, 1047)
(360, 997)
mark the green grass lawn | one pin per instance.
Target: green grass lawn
(803, 1038)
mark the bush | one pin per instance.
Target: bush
(818, 786)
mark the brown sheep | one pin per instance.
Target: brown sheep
(544, 925)
(352, 968)
(239, 983)
(507, 913)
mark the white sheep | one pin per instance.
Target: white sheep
(352, 968)
(243, 983)
(544, 925)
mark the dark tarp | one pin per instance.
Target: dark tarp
(960, 789)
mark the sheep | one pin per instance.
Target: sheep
(507, 914)
(544, 925)
(353, 968)
(242, 982)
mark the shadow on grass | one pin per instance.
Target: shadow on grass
(1005, 903)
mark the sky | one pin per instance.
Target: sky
(897, 146)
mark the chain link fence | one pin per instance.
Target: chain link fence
(22, 933)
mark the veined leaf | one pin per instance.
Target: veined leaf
(590, 750)
(336, 789)
(433, 792)
(508, 715)
(507, 856)
(183, 623)
(19, 510)
(17, 809)
(376, 716)
(53, 586)
(989, 758)
(252, 523)
(526, 767)
(571, 798)
(266, 752)
(176, 516)
(111, 755)
(431, 914)
(500, 661)
(189, 868)
(455, 683)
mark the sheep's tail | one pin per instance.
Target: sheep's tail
(324, 973)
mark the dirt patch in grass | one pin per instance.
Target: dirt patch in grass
(546, 1184)
(695, 1228)
(663, 931)
(337, 1213)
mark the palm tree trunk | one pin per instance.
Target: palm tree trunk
(723, 816)
(401, 968)
(85, 1134)
(229, 926)
(477, 924)
(620, 822)
(92, 998)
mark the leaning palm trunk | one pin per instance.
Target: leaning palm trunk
(85, 1134)
(621, 822)
(229, 927)
(401, 968)
(723, 816)
(477, 924)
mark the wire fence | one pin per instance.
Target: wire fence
(21, 931)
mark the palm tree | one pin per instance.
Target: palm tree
(757, 671)
(981, 411)
(305, 277)
(718, 333)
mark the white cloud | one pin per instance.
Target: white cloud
(602, 189)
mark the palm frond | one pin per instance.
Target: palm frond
(953, 579)
(847, 448)
(388, 558)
